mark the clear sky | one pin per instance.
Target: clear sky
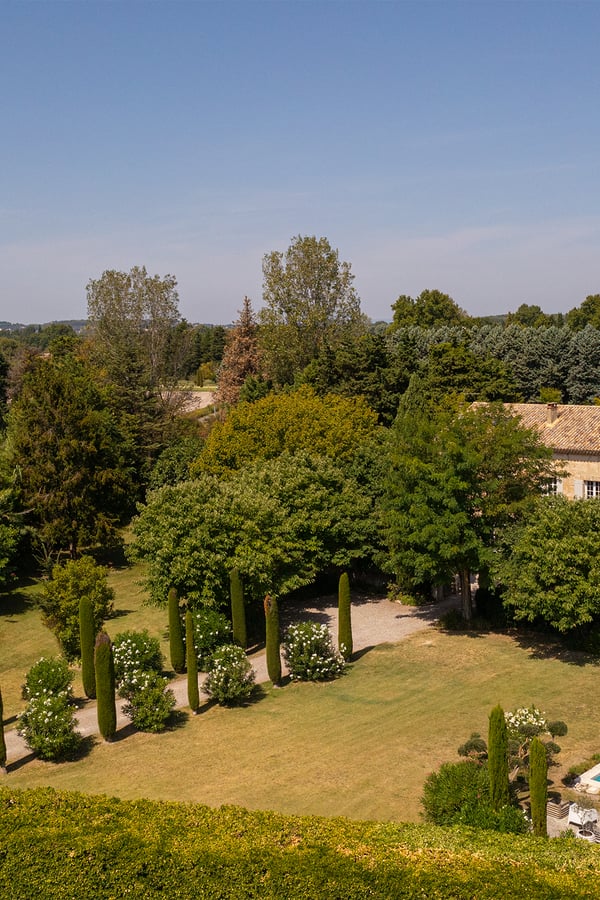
(437, 145)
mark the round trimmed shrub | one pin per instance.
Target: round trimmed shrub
(309, 653)
(150, 703)
(49, 675)
(230, 677)
(133, 652)
(48, 726)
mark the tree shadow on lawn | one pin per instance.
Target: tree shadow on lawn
(15, 603)
(543, 646)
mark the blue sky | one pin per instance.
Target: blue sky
(436, 145)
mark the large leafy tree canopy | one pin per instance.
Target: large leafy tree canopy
(280, 522)
(310, 303)
(550, 567)
(431, 308)
(331, 426)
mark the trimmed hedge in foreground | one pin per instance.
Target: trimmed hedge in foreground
(66, 845)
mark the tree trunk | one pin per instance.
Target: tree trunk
(465, 594)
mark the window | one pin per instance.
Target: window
(553, 486)
(592, 489)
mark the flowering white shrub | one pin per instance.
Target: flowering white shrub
(150, 703)
(309, 653)
(50, 674)
(230, 676)
(212, 629)
(48, 725)
(528, 721)
(134, 652)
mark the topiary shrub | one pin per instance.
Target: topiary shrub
(87, 637)
(497, 751)
(105, 687)
(211, 630)
(538, 786)
(60, 600)
(230, 678)
(238, 610)
(272, 639)
(176, 646)
(49, 675)
(48, 726)
(192, 663)
(150, 703)
(133, 652)
(344, 617)
(309, 653)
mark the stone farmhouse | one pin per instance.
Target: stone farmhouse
(573, 433)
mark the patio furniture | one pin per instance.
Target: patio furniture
(582, 815)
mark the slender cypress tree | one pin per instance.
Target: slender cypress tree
(176, 634)
(87, 635)
(238, 612)
(538, 786)
(2, 741)
(498, 758)
(344, 617)
(192, 663)
(105, 687)
(272, 639)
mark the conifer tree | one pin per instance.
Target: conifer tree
(105, 687)
(2, 741)
(241, 358)
(177, 650)
(86, 640)
(238, 611)
(272, 639)
(344, 617)
(498, 758)
(192, 664)
(538, 786)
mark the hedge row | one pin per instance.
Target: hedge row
(64, 845)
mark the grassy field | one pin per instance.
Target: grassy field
(360, 746)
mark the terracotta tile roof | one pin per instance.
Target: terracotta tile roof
(575, 429)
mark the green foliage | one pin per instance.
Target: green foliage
(431, 308)
(344, 617)
(149, 702)
(309, 653)
(48, 726)
(550, 565)
(2, 740)
(76, 845)
(538, 786)
(87, 637)
(191, 663)
(230, 678)
(459, 793)
(588, 313)
(498, 759)
(173, 464)
(241, 359)
(176, 645)
(523, 726)
(272, 639)
(49, 675)
(331, 426)
(9, 542)
(134, 652)
(280, 522)
(212, 629)
(62, 594)
(105, 687)
(452, 368)
(238, 611)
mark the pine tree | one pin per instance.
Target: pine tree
(272, 639)
(344, 617)
(105, 687)
(86, 640)
(241, 358)
(498, 759)
(538, 786)
(238, 611)
(192, 663)
(2, 741)
(176, 647)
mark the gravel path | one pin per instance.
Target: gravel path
(375, 620)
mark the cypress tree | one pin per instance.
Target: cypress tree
(192, 663)
(238, 612)
(87, 634)
(2, 741)
(538, 786)
(498, 759)
(272, 639)
(175, 634)
(105, 687)
(344, 617)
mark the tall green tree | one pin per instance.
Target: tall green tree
(344, 617)
(192, 663)
(2, 740)
(87, 638)
(105, 687)
(310, 303)
(588, 313)
(498, 759)
(273, 639)
(538, 786)
(431, 308)
(238, 610)
(176, 644)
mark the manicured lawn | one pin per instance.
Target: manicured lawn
(360, 746)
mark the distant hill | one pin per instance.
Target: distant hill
(76, 324)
